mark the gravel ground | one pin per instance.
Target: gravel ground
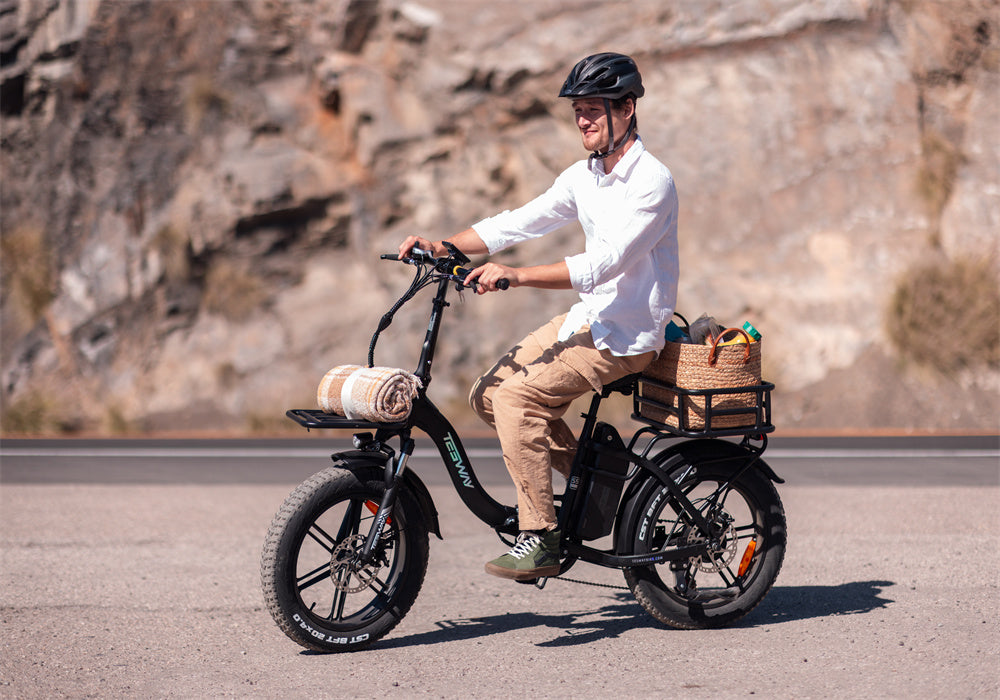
(127, 591)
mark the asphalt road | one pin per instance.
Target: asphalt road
(131, 570)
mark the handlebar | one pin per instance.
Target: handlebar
(450, 266)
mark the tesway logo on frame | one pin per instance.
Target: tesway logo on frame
(456, 460)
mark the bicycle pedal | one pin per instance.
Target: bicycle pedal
(538, 583)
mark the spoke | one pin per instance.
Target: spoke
(729, 580)
(318, 574)
(322, 538)
(343, 575)
(351, 521)
(380, 591)
(381, 599)
(339, 598)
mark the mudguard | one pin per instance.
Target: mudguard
(700, 451)
(357, 460)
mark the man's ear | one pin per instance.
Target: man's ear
(629, 108)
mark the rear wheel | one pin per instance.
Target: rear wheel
(315, 586)
(729, 580)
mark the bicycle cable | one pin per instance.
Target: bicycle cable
(415, 286)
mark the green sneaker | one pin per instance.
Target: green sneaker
(532, 556)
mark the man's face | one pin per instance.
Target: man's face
(592, 121)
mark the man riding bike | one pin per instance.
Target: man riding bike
(626, 277)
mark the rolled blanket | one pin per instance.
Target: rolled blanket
(380, 394)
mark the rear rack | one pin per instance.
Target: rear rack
(693, 413)
(315, 418)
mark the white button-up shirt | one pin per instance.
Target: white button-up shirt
(627, 274)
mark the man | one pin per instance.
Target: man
(626, 203)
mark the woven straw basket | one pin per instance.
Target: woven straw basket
(704, 367)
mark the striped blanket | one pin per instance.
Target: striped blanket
(380, 394)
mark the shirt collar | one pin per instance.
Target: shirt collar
(623, 167)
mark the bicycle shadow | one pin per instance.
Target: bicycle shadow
(789, 603)
(782, 604)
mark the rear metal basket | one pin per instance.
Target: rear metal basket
(743, 410)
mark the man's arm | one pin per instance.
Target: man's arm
(552, 276)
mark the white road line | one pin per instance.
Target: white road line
(205, 453)
(480, 453)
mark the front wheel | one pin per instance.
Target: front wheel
(315, 587)
(729, 580)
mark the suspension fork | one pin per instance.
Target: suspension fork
(393, 477)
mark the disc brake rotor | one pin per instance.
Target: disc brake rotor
(346, 572)
(719, 557)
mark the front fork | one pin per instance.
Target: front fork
(393, 478)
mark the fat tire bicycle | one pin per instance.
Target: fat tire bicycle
(692, 519)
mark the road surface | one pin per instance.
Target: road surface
(131, 569)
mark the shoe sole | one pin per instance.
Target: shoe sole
(526, 575)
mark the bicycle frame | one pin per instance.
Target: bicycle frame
(425, 416)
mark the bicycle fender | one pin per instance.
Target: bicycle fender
(720, 449)
(358, 460)
(697, 450)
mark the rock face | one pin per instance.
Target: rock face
(195, 193)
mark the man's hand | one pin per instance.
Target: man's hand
(488, 274)
(411, 242)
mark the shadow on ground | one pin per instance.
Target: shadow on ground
(782, 604)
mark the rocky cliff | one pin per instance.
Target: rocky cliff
(195, 194)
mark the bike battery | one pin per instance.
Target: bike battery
(605, 473)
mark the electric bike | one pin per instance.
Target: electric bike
(689, 514)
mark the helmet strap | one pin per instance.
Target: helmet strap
(611, 136)
(611, 127)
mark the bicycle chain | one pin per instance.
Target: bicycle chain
(590, 583)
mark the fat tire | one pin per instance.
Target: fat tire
(293, 525)
(662, 599)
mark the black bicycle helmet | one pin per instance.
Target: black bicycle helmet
(607, 76)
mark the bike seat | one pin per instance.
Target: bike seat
(625, 385)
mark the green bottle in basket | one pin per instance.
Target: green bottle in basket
(752, 332)
(734, 337)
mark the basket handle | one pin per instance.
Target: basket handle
(715, 345)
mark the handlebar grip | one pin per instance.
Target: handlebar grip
(459, 271)
(390, 256)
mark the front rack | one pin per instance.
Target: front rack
(315, 418)
(694, 413)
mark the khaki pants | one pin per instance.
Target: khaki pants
(525, 396)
